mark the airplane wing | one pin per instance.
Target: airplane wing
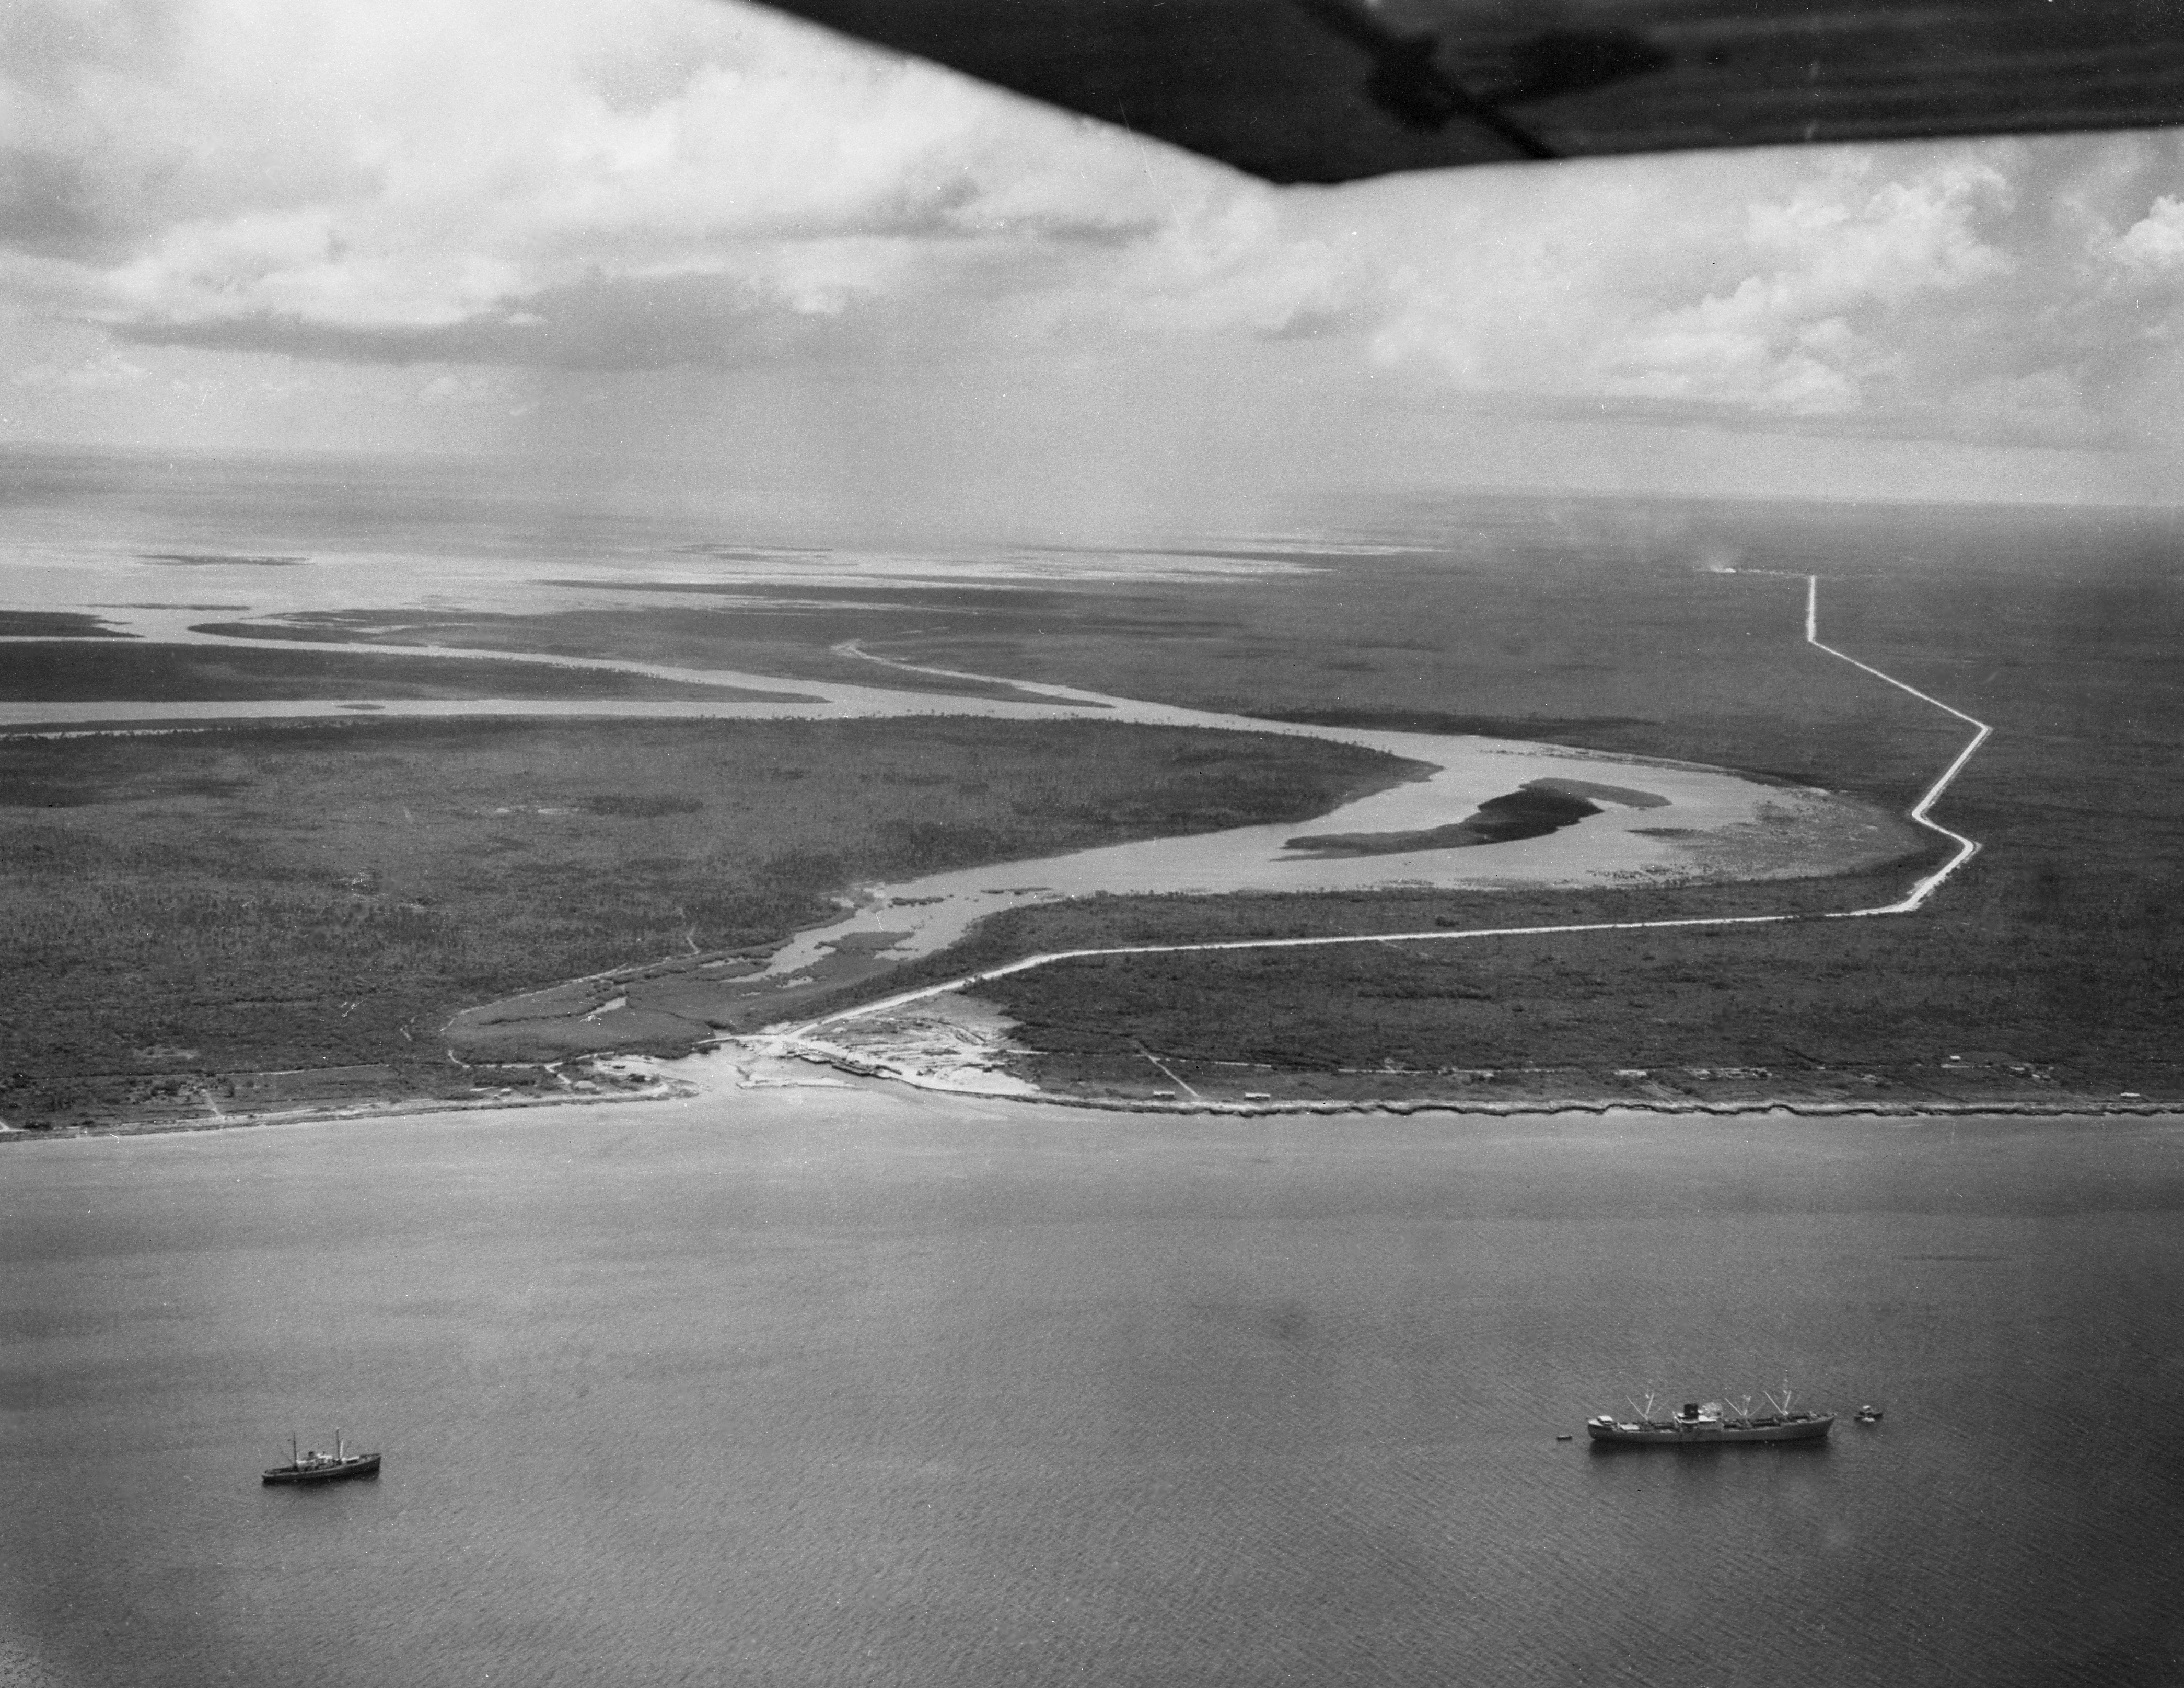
(1332, 90)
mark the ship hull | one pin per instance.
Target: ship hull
(1801, 1429)
(365, 1465)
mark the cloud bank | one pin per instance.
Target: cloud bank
(484, 193)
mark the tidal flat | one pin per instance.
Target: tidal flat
(832, 1385)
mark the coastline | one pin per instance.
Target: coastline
(2064, 1106)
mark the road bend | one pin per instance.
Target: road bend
(787, 1037)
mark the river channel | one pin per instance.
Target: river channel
(1656, 821)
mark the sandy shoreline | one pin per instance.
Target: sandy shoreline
(2058, 1107)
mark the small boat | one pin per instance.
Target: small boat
(314, 1467)
(1709, 1423)
(1868, 1414)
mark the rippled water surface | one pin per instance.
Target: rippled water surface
(815, 1387)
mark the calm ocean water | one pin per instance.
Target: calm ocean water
(833, 1387)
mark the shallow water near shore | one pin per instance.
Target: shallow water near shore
(845, 1385)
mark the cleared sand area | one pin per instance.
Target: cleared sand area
(1696, 823)
(955, 1042)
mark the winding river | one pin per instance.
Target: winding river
(1657, 822)
(1654, 821)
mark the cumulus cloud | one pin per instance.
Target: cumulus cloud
(2154, 244)
(1774, 284)
(416, 178)
(1998, 290)
(639, 184)
(1804, 330)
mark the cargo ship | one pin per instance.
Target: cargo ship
(1707, 1424)
(314, 1467)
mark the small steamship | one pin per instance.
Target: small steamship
(1706, 1423)
(314, 1467)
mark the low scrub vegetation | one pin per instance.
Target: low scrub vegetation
(327, 895)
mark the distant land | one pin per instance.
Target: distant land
(369, 854)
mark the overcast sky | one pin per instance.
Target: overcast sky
(692, 232)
